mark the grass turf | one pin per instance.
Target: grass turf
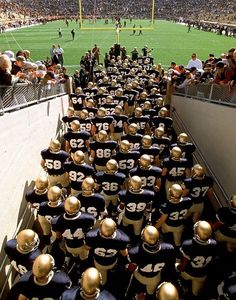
(170, 41)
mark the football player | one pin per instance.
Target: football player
(48, 210)
(199, 187)
(101, 150)
(167, 291)
(227, 288)
(148, 149)
(89, 289)
(148, 260)
(90, 107)
(52, 161)
(133, 137)
(23, 250)
(162, 142)
(77, 171)
(133, 204)
(110, 182)
(42, 282)
(198, 254)
(109, 105)
(69, 117)
(141, 121)
(106, 243)
(39, 193)
(132, 96)
(148, 111)
(101, 96)
(186, 147)
(120, 123)
(125, 158)
(77, 100)
(173, 214)
(85, 121)
(119, 98)
(162, 120)
(72, 226)
(102, 122)
(77, 139)
(90, 90)
(226, 222)
(175, 169)
(91, 202)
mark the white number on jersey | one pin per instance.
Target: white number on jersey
(103, 153)
(110, 186)
(74, 176)
(136, 207)
(102, 126)
(177, 171)
(53, 164)
(196, 192)
(19, 268)
(78, 234)
(76, 143)
(201, 261)
(90, 210)
(105, 252)
(148, 181)
(126, 164)
(178, 215)
(153, 268)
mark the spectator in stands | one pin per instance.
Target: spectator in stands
(195, 62)
(223, 74)
(5, 70)
(17, 66)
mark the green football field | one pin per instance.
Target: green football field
(170, 41)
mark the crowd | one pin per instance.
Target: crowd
(122, 208)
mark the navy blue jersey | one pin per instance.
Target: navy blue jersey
(54, 161)
(118, 123)
(131, 95)
(76, 293)
(176, 169)
(27, 286)
(120, 100)
(103, 151)
(77, 140)
(112, 90)
(176, 211)
(227, 217)
(21, 262)
(153, 100)
(164, 122)
(153, 152)
(77, 101)
(149, 113)
(67, 120)
(77, 173)
(105, 250)
(141, 122)
(198, 188)
(151, 260)
(110, 107)
(85, 124)
(92, 111)
(34, 198)
(102, 123)
(50, 212)
(200, 256)
(93, 204)
(187, 151)
(148, 176)
(73, 228)
(100, 98)
(228, 287)
(135, 203)
(134, 140)
(126, 161)
(163, 143)
(90, 92)
(110, 183)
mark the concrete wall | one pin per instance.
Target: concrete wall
(24, 133)
(213, 129)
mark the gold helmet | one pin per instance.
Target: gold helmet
(159, 131)
(135, 83)
(118, 110)
(41, 183)
(154, 91)
(54, 194)
(90, 103)
(135, 184)
(143, 96)
(90, 85)
(26, 241)
(183, 138)
(160, 102)
(129, 86)
(113, 83)
(90, 282)
(176, 153)
(133, 128)
(124, 146)
(43, 265)
(197, 171)
(102, 136)
(84, 114)
(163, 112)
(70, 111)
(146, 141)
(88, 184)
(78, 90)
(233, 202)
(138, 112)
(147, 105)
(101, 112)
(145, 161)
(167, 291)
(75, 125)
(109, 99)
(150, 235)
(107, 227)
(55, 145)
(78, 157)
(105, 79)
(202, 231)
(111, 166)
(119, 92)
(176, 191)
(72, 205)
